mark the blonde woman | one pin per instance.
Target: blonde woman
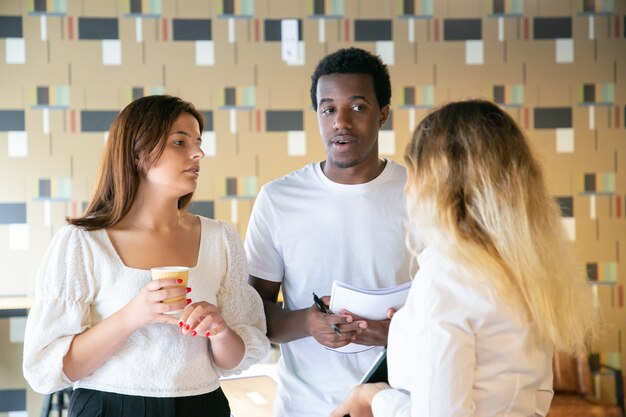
(497, 290)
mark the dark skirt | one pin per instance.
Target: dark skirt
(90, 403)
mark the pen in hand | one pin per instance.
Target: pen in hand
(322, 308)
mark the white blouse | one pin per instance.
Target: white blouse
(459, 349)
(82, 280)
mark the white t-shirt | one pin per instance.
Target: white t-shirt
(82, 281)
(457, 348)
(306, 231)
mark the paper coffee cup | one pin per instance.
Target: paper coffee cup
(181, 272)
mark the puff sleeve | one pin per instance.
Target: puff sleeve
(240, 304)
(61, 310)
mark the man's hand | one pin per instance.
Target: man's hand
(320, 326)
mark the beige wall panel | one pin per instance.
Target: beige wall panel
(411, 75)
(33, 76)
(454, 10)
(170, 53)
(609, 49)
(372, 9)
(97, 8)
(13, 7)
(191, 9)
(286, 9)
(14, 96)
(549, 8)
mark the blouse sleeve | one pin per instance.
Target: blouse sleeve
(442, 360)
(63, 294)
(241, 305)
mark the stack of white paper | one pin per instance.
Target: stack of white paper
(371, 304)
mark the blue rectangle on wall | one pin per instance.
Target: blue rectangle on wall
(191, 30)
(462, 29)
(12, 400)
(96, 120)
(284, 120)
(11, 27)
(567, 206)
(553, 117)
(552, 27)
(12, 121)
(97, 28)
(207, 115)
(202, 208)
(12, 213)
(273, 30)
(373, 30)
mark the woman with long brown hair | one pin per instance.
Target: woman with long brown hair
(99, 322)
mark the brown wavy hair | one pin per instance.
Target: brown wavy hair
(136, 140)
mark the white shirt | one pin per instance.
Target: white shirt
(306, 231)
(82, 281)
(457, 349)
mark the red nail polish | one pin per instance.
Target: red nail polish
(180, 281)
(187, 327)
(188, 289)
(207, 334)
(180, 324)
(194, 333)
(189, 301)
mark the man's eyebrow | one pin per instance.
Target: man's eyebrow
(355, 97)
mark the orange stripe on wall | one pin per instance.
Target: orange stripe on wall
(164, 28)
(620, 296)
(618, 206)
(436, 30)
(346, 30)
(258, 120)
(257, 30)
(70, 27)
(526, 121)
(526, 28)
(72, 121)
(617, 27)
(617, 117)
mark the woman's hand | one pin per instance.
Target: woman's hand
(148, 307)
(203, 319)
(359, 402)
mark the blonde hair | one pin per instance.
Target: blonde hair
(476, 190)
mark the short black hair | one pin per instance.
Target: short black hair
(354, 61)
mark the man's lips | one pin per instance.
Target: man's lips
(343, 140)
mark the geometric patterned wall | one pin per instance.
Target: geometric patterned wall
(68, 67)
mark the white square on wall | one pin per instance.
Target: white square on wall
(111, 52)
(387, 142)
(474, 52)
(18, 144)
(18, 237)
(205, 53)
(296, 143)
(565, 140)
(386, 51)
(208, 144)
(569, 223)
(15, 51)
(565, 51)
(17, 327)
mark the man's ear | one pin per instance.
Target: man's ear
(384, 115)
